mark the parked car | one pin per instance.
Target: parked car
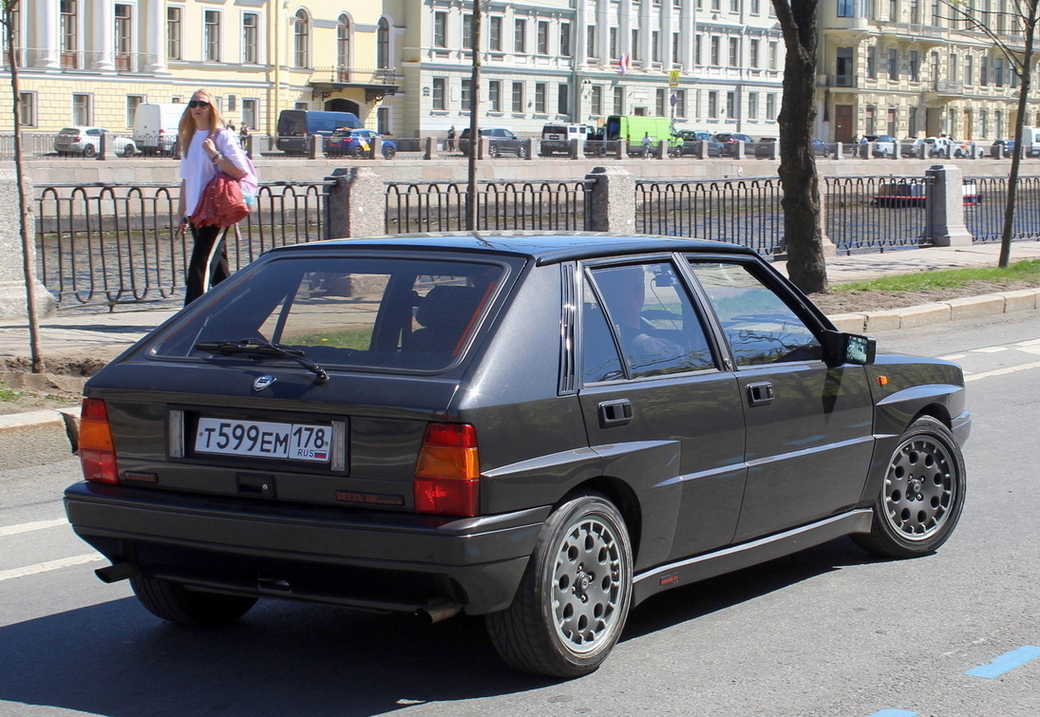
(881, 145)
(821, 148)
(544, 430)
(729, 143)
(87, 142)
(764, 147)
(350, 142)
(906, 193)
(500, 141)
(1002, 148)
(556, 138)
(691, 140)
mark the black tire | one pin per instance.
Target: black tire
(492, 150)
(389, 152)
(521, 151)
(129, 151)
(175, 603)
(922, 496)
(359, 152)
(572, 603)
(89, 151)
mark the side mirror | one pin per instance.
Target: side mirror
(849, 348)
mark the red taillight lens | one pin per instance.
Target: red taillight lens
(97, 453)
(447, 474)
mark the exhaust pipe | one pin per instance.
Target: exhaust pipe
(115, 573)
(439, 609)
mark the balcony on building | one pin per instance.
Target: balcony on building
(377, 83)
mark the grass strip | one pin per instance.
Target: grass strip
(1028, 270)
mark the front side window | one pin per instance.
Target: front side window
(644, 311)
(409, 314)
(759, 326)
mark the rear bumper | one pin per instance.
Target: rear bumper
(372, 560)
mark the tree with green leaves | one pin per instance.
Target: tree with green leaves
(8, 17)
(1024, 14)
(799, 179)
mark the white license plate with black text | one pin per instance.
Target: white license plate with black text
(264, 439)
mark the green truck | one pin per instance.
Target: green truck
(633, 130)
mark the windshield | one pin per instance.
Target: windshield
(371, 312)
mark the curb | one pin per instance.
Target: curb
(973, 307)
(38, 437)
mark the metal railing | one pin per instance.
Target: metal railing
(103, 245)
(501, 206)
(985, 219)
(876, 213)
(741, 211)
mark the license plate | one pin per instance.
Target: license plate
(264, 439)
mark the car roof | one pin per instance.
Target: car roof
(542, 247)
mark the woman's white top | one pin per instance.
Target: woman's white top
(197, 167)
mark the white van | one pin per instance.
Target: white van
(1031, 141)
(155, 126)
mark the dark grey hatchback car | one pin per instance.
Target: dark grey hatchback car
(546, 430)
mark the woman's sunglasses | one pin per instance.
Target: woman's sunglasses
(198, 103)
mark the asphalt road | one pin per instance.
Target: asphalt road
(831, 632)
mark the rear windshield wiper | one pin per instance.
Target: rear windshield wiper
(263, 348)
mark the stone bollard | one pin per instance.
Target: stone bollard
(529, 145)
(574, 149)
(315, 146)
(357, 203)
(429, 148)
(103, 143)
(611, 206)
(838, 149)
(247, 145)
(13, 296)
(702, 149)
(946, 206)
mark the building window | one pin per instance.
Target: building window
(131, 106)
(495, 33)
(756, 7)
(893, 16)
(467, 95)
(543, 37)
(565, 39)
(619, 100)
(495, 96)
(893, 65)
(637, 51)
(676, 49)
(344, 32)
(774, 52)
(731, 105)
(680, 103)
(844, 71)
(998, 70)
(655, 46)
(870, 120)
(520, 36)
(771, 106)
(563, 99)
(69, 28)
(984, 72)
(596, 101)
(715, 59)
(383, 44)
(250, 114)
(734, 52)
(27, 109)
(518, 97)
(211, 36)
(890, 130)
(969, 70)
(173, 33)
(915, 12)
(439, 93)
(540, 101)
(698, 47)
(713, 104)
(250, 38)
(301, 40)
(614, 43)
(467, 31)
(124, 37)
(872, 62)
(914, 67)
(440, 29)
(912, 123)
(661, 100)
(753, 53)
(846, 8)
(590, 41)
(81, 110)
(752, 105)
(383, 125)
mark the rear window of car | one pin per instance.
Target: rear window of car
(383, 313)
(555, 129)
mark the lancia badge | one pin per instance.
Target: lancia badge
(263, 382)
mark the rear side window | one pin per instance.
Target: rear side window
(379, 313)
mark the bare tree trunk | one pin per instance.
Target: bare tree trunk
(28, 269)
(474, 131)
(798, 176)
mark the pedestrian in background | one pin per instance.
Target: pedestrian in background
(451, 139)
(211, 147)
(646, 145)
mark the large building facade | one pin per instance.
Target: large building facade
(915, 68)
(404, 65)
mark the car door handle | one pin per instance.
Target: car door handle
(760, 393)
(615, 413)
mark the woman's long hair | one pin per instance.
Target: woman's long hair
(186, 128)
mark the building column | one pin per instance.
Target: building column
(45, 39)
(153, 39)
(101, 19)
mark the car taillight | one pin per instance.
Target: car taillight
(447, 474)
(97, 453)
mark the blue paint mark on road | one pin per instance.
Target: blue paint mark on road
(894, 713)
(1006, 662)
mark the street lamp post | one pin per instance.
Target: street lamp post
(474, 133)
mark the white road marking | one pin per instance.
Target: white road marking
(50, 565)
(990, 350)
(1002, 371)
(6, 530)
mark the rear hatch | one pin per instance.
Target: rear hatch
(310, 378)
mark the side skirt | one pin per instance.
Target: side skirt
(737, 557)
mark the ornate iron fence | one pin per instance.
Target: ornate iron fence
(501, 206)
(105, 245)
(985, 219)
(876, 213)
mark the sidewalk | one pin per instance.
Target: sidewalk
(78, 335)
